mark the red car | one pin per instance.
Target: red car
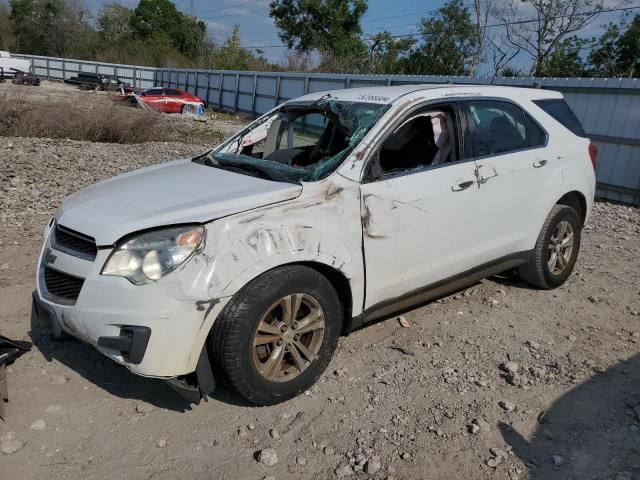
(171, 100)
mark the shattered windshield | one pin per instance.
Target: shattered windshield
(299, 141)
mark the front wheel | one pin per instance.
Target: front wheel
(278, 334)
(556, 249)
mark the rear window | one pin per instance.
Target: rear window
(558, 109)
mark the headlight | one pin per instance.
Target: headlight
(150, 256)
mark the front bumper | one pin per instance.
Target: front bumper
(154, 330)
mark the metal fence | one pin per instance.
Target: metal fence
(609, 108)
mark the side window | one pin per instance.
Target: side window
(558, 109)
(535, 135)
(495, 127)
(424, 139)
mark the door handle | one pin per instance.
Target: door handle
(539, 163)
(462, 186)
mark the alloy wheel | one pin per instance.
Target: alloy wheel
(560, 247)
(288, 337)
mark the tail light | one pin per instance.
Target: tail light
(593, 154)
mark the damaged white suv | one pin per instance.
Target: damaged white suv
(329, 212)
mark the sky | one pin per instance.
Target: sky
(257, 29)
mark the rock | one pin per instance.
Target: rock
(242, 431)
(144, 408)
(268, 457)
(572, 338)
(38, 425)
(558, 460)
(494, 462)
(532, 344)
(372, 466)
(53, 409)
(510, 367)
(473, 428)
(538, 372)
(10, 446)
(593, 299)
(269, 478)
(507, 405)
(251, 426)
(405, 456)
(343, 471)
(403, 322)
(300, 460)
(162, 442)
(498, 452)
(274, 434)
(58, 379)
(328, 450)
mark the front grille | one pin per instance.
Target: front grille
(62, 284)
(74, 243)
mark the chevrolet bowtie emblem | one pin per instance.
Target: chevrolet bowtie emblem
(49, 257)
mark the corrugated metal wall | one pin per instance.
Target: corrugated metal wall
(609, 108)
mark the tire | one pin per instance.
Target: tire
(539, 271)
(257, 313)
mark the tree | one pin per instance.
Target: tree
(51, 27)
(388, 54)
(114, 22)
(331, 27)
(629, 50)
(565, 60)
(537, 26)
(617, 54)
(7, 39)
(449, 42)
(157, 18)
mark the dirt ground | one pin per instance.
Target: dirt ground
(499, 381)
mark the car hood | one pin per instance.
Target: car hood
(171, 193)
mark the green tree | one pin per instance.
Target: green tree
(449, 43)
(7, 39)
(157, 18)
(331, 27)
(114, 22)
(565, 60)
(51, 27)
(388, 54)
(629, 49)
(232, 56)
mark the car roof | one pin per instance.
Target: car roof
(392, 94)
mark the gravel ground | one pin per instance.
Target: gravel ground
(498, 381)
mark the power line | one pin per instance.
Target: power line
(534, 20)
(227, 8)
(502, 24)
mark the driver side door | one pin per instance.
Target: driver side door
(419, 220)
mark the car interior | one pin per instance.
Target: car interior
(425, 139)
(300, 138)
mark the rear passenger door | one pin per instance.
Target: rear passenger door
(512, 168)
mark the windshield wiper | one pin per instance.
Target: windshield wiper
(252, 169)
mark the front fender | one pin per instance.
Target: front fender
(322, 225)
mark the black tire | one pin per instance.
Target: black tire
(232, 335)
(537, 272)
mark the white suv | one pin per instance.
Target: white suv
(330, 212)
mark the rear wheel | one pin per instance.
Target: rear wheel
(556, 249)
(278, 334)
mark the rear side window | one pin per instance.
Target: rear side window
(497, 127)
(558, 109)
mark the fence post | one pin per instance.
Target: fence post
(64, 70)
(306, 84)
(348, 82)
(253, 94)
(221, 86)
(235, 100)
(206, 92)
(197, 75)
(277, 94)
(48, 71)
(135, 71)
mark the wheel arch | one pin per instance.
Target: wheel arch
(576, 200)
